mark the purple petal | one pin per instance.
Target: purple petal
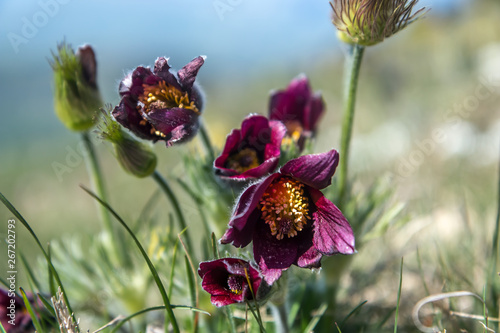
(127, 115)
(162, 71)
(187, 74)
(288, 105)
(310, 259)
(246, 214)
(332, 233)
(175, 123)
(313, 112)
(270, 275)
(315, 170)
(255, 131)
(275, 253)
(232, 142)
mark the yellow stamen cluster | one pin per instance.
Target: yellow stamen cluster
(235, 284)
(243, 160)
(293, 133)
(164, 96)
(285, 207)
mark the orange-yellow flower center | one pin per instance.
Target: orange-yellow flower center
(293, 132)
(285, 207)
(235, 283)
(243, 160)
(164, 96)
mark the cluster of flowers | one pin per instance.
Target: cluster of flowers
(282, 211)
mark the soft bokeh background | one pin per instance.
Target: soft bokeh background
(411, 86)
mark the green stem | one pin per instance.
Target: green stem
(354, 65)
(175, 204)
(95, 174)
(206, 142)
(96, 178)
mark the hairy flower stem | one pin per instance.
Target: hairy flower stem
(206, 142)
(162, 183)
(95, 175)
(353, 67)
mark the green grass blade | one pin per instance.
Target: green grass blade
(33, 316)
(172, 268)
(154, 308)
(399, 297)
(52, 269)
(314, 321)
(353, 311)
(152, 268)
(47, 304)
(31, 276)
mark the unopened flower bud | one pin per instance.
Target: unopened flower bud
(134, 156)
(77, 98)
(369, 22)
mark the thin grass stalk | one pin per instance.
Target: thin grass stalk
(52, 269)
(152, 268)
(165, 187)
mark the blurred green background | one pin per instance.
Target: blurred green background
(427, 110)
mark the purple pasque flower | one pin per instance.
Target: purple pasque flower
(252, 151)
(229, 280)
(289, 220)
(158, 105)
(298, 108)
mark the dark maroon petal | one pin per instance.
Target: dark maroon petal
(132, 85)
(127, 115)
(187, 74)
(176, 123)
(278, 132)
(232, 142)
(86, 56)
(255, 131)
(271, 275)
(246, 214)
(162, 72)
(313, 112)
(277, 254)
(315, 170)
(310, 259)
(289, 105)
(332, 233)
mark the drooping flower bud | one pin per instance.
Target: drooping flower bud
(134, 156)
(369, 22)
(76, 97)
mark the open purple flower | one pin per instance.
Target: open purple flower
(289, 219)
(159, 105)
(229, 280)
(252, 151)
(298, 109)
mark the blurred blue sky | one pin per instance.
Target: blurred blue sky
(240, 37)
